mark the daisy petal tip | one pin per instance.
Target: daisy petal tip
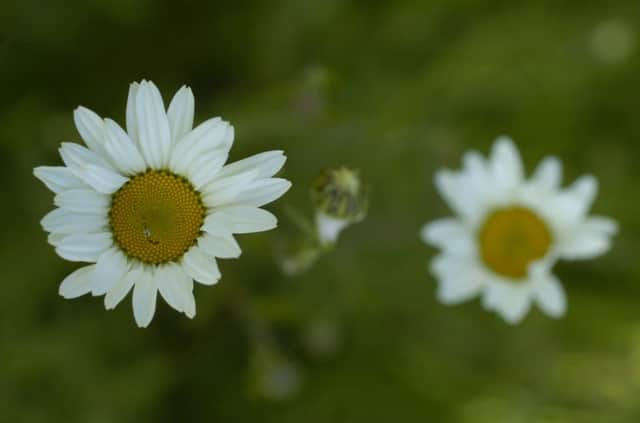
(504, 141)
(81, 110)
(43, 174)
(191, 314)
(512, 320)
(587, 185)
(142, 324)
(77, 283)
(142, 321)
(426, 233)
(512, 316)
(443, 178)
(110, 123)
(559, 315)
(615, 227)
(515, 318)
(443, 298)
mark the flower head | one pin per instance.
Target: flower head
(340, 200)
(509, 231)
(152, 207)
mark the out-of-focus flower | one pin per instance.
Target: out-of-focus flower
(322, 338)
(155, 205)
(612, 41)
(508, 232)
(340, 200)
(301, 260)
(273, 376)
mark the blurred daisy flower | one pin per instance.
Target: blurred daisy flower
(340, 200)
(509, 231)
(154, 206)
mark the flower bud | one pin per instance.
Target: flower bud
(340, 200)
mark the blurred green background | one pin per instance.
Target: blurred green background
(395, 89)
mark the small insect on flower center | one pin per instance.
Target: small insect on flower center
(156, 217)
(511, 239)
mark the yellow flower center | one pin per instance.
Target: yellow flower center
(511, 239)
(156, 217)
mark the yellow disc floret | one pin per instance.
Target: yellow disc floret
(511, 239)
(156, 217)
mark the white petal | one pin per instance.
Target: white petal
(572, 204)
(190, 301)
(506, 166)
(154, 135)
(55, 239)
(447, 266)
(207, 136)
(477, 180)
(458, 279)
(123, 151)
(603, 225)
(245, 219)
(77, 158)
(550, 296)
(169, 287)
(589, 239)
(144, 299)
(77, 283)
(180, 113)
(266, 164)
(262, 192)
(223, 246)
(328, 228)
(475, 166)
(200, 266)
(122, 287)
(584, 189)
(83, 247)
(102, 179)
(206, 168)
(510, 300)
(173, 284)
(58, 178)
(456, 291)
(64, 221)
(229, 135)
(111, 267)
(218, 224)
(505, 160)
(448, 185)
(83, 201)
(449, 234)
(462, 197)
(132, 120)
(90, 127)
(226, 190)
(548, 175)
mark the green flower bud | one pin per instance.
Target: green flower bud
(340, 200)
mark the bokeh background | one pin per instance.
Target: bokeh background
(396, 89)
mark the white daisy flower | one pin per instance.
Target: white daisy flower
(152, 207)
(509, 231)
